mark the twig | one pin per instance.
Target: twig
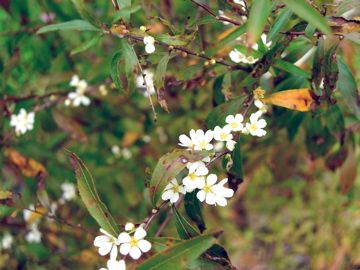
(168, 217)
(148, 91)
(212, 13)
(153, 214)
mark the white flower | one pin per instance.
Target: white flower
(78, 97)
(115, 265)
(74, 81)
(27, 213)
(149, 79)
(240, 2)
(196, 175)
(149, 42)
(202, 140)
(212, 193)
(230, 145)
(34, 235)
(107, 244)
(261, 106)
(134, 245)
(235, 122)
(256, 125)
(23, 121)
(126, 153)
(172, 191)
(186, 141)
(250, 60)
(69, 191)
(263, 39)
(6, 241)
(223, 134)
(129, 226)
(146, 138)
(115, 149)
(218, 146)
(236, 56)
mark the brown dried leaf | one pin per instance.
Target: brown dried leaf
(70, 126)
(27, 166)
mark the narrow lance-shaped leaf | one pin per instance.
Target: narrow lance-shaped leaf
(84, 12)
(183, 227)
(124, 4)
(309, 14)
(348, 89)
(87, 45)
(168, 167)
(90, 197)
(180, 255)
(280, 23)
(131, 62)
(114, 69)
(259, 12)
(75, 25)
(193, 210)
(290, 68)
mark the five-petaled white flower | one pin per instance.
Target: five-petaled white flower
(238, 57)
(115, 265)
(235, 122)
(149, 42)
(203, 139)
(186, 141)
(134, 245)
(196, 175)
(172, 191)
(107, 244)
(260, 105)
(223, 134)
(148, 88)
(6, 241)
(213, 193)
(23, 121)
(78, 97)
(256, 125)
(69, 191)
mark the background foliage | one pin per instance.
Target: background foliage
(298, 205)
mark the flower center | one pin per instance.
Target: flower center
(133, 242)
(253, 127)
(176, 188)
(234, 125)
(223, 136)
(203, 144)
(207, 188)
(192, 176)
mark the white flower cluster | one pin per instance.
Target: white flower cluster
(148, 88)
(33, 235)
(78, 97)
(198, 178)
(22, 122)
(238, 57)
(131, 242)
(118, 152)
(149, 42)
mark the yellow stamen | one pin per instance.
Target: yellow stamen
(133, 242)
(192, 176)
(223, 136)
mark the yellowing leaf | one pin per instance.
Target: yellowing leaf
(4, 194)
(27, 166)
(295, 99)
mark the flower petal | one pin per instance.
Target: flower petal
(124, 237)
(140, 233)
(135, 253)
(125, 248)
(144, 245)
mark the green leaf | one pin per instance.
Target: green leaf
(84, 13)
(78, 25)
(184, 228)
(86, 45)
(125, 13)
(123, 4)
(348, 89)
(168, 167)
(291, 68)
(217, 116)
(310, 30)
(177, 40)
(114, 69)
(331, 71)
(317, 73)
(280, 23)
(193, 210)
(131, 62)
(90, 197)
(234, 34)
(309, 14)
(160, 71)
(259, 12)
(180, 255)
